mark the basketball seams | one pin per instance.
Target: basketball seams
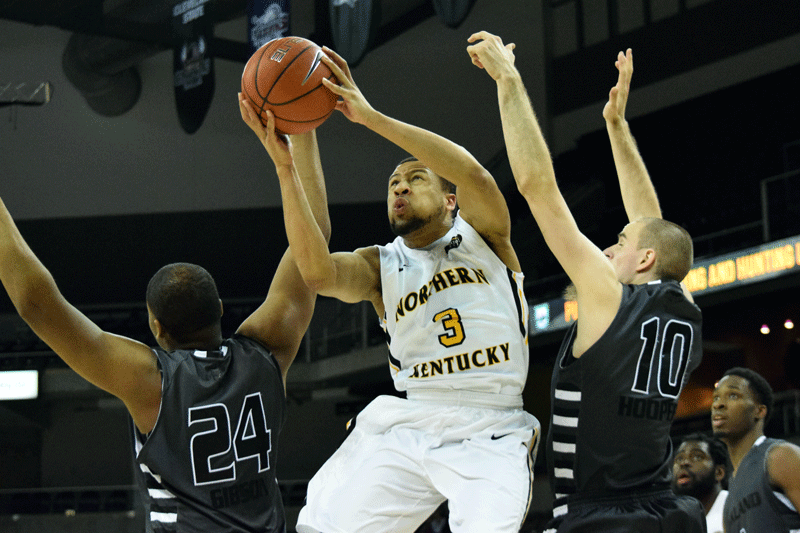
(283, 71)
(299, 112)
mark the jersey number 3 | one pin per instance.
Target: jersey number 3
(454, 329)
(669, 350)
(212, 439)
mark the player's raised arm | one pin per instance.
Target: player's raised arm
(338, 275)
(479, 198)
(123, 367)
(532, 166)
(638, 194)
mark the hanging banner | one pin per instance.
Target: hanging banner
(192, 60)
(354, 27)
(266, 20)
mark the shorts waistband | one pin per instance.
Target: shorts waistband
(612, 497)
(466, 398)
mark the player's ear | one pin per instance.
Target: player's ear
(647, 260)
(761, 412)
(719, 473)
(450, 201)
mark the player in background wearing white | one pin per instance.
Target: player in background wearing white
(608, 450)
(699, 469)
(449, 292)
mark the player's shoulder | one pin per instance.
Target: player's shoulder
(369, 252)
(783, 463)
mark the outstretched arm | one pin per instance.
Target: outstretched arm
(123, 367)
(479, 198)
(307, 267)
(638, 194)
(599, 292)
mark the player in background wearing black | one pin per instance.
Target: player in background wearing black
(764, 489)
(699, 469)
(623, 364)
(207, 411)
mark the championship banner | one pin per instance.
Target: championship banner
(266, 20)
(193, 64)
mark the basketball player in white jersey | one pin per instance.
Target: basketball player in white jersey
(449, 293)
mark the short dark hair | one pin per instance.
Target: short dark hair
(758, 385)
(717, 449)
(184, 299)
(673, 247)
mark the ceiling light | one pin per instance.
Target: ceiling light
(765, 329)
(788, 324)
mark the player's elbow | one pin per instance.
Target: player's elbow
(33, 296)
(318, 280)
(535, 187)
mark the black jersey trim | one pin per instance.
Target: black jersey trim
(517, 302)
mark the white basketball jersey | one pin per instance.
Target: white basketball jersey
(456, 318)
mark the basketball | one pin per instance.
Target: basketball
(285, 76)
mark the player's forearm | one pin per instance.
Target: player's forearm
(309, 168)
(444, 157)
(527, 151)
(638, 194)
(308, 243)
(27, 282)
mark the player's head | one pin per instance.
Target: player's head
(700, 465)
(183, 298)
(649, 249)
(418, 197)
(742, 403)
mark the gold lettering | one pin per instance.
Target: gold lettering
(436, 366)
(481, 277)
(411, 302)
(570, 311)
(451, 277)
(490, 355)
(438, 282)
(721, 273)
(423, 295)
(504, 347)
(463, 273)
(475, 358)
(696, 279)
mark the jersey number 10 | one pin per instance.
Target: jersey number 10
(669, 350)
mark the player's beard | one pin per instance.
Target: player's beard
(402, 228)
(699, 487)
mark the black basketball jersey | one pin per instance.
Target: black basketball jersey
(612, 408)
(752, 505)
(209, 463)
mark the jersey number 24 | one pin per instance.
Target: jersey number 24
(212, 440)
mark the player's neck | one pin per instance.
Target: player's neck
(429, 233)
(709, 499)
(737, 449)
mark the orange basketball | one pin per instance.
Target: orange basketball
(285, 76)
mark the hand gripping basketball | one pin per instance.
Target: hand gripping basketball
(285, 76)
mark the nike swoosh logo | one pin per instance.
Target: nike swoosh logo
(313, 67)
(496, 437)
